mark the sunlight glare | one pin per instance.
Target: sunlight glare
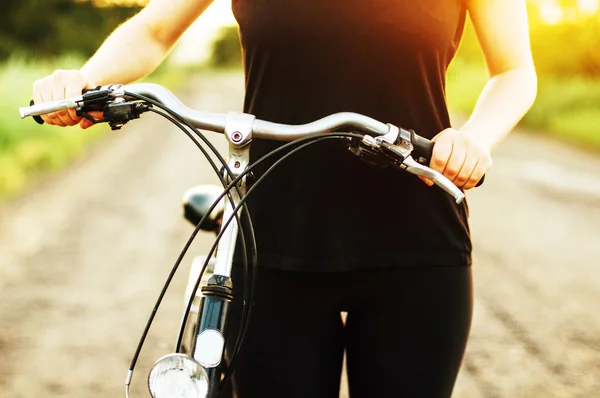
(588, 6)
(551, 13)
(554, 11)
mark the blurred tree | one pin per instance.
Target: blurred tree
(226, 49)
(469, 49)
(569, 47)
(46, 28)
(565, 38)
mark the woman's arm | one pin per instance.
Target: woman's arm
(503, 33)
(502, 30)
(132, 51)
(139, 45)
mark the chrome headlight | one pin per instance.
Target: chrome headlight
(177, 376)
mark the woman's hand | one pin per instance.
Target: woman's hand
(464, 157)
(58, 86)
(460, 158)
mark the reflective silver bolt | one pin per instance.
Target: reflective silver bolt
(236, 136)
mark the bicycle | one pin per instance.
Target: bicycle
(195, 368)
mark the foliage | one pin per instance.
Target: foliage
(567, 108)
(47, 28)
(226, 50)
(28, 149)
(566, 48)
(567, 58)
(465, 80)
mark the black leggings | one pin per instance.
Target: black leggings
(404, 336)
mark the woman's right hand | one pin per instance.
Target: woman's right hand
(58, 86)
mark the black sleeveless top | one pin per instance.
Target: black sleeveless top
(325, 209)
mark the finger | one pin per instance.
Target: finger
(456, 160)
(46, 96)
(483, 165)
(39, 99)
(427, 181)
(58, 93)
(72, 91)
(468, 166)
(84, 123)
(97, 115)
(441, 153)
(55, 120)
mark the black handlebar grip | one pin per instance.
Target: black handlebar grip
(423, 148)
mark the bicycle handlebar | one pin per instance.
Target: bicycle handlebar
(216, 122)
(400, 146)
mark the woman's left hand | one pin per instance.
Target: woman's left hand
(460, 158)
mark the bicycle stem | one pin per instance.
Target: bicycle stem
(209, 346)
(238, 131)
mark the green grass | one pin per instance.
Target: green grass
(567, 108)
(28, 149)
(465, 82)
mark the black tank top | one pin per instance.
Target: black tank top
(325, 209)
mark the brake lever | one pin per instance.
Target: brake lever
(116, 114)
(416, 168)
(92, 99)
(404, 160)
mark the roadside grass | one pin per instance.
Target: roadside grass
(28, 149)
(464, 83)
(566, 108)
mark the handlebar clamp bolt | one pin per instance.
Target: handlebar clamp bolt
(236, 136)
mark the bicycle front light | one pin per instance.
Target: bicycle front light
(177, 376)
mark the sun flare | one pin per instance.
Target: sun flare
(558, 11)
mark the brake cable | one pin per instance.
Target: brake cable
(248, 287)
(192, 237)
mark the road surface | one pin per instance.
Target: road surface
(83, 255)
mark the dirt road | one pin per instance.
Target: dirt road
(83, 255)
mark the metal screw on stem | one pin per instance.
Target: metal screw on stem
(236, 136)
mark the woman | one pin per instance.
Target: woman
(406, 244)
